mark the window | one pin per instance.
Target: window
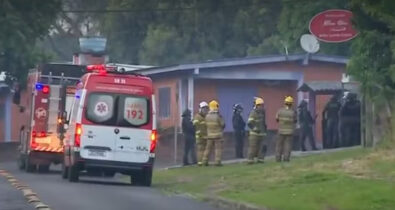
(164, 102)
(134, 111)
(117, 109)
(100, 108)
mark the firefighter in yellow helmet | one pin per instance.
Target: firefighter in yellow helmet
(257, 132)
(215, 127)
(199, 122)
(286, 117)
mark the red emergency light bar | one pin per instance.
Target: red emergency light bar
(101, 68)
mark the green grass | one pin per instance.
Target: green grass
(352, 179)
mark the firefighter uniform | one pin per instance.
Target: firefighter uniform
(286, 117)
(257, 132)
(201, 135)
(215, 127)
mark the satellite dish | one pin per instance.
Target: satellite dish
(309, 43)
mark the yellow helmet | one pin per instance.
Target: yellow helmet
(289, 100)
(258, 101)
(213, 105)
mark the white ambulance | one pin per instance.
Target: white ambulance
(112, 126)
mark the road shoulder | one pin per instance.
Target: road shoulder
(12, 198)
(16, 195)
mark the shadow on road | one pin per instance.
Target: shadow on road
(49, 172)
(104, 182)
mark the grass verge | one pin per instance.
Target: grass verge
(351, 179)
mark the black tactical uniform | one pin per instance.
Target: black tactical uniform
(306, 123)
(189, 136)
(350, 121)
(239, 128)
(331, 116)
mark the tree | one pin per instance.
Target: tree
(22, 23)
(293, 22)
(193, 30)
(373, 53)
(72, 23)
(373, 58)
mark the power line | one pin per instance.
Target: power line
(158, 9)
(128, 10)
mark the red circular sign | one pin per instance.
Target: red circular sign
(333, 26)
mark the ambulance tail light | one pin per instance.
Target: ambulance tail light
(78, 133)
(154, 140)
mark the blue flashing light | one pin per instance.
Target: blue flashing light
(39, 86)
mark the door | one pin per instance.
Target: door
(132, 143)
(98, 137)
(229, 95)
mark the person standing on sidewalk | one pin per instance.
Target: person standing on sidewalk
(189, 137)
(239, 128)
(215, 128)
(306, 122)
(199, 123)
(286, 118)
(257, 132)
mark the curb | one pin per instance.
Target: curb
(29, 194)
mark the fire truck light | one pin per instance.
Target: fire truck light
(39, 86)
(45, 89)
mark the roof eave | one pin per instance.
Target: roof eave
(241, 62)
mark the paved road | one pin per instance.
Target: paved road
(11, 198)
(98, 193)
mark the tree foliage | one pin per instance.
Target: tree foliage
(294, 21)
(71, 24)
(373, 58)
(178, 31)
(188, 30)
(22, 23)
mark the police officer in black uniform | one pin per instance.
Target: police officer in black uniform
(239, 128)
(350, 121)
(331, 116)
(189, 137)
(306, 122)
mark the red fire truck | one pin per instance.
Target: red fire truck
(45, 103)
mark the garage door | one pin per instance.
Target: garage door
(229, 95)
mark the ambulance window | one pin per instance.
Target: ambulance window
(100, 108)
(134, 111)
